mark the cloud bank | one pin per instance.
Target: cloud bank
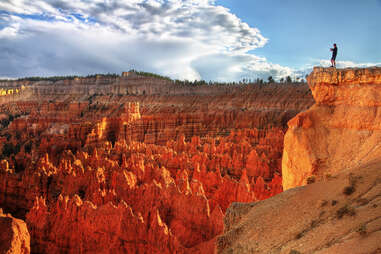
(348, 64)
(306, 69)
(185, 39)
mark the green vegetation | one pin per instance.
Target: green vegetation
(149, 74)
(58, 78)
(195, 83)
(54, 78)
(345, 210)
(244, 81)
(6, 121)
(311, 179)
(362, 230)
(28, 147)
(349, 190)
(9, 149)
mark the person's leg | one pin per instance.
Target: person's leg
(332, 61)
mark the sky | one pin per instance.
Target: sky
(219, 40)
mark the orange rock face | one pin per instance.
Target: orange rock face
(349, 86)
(342, 130)
(334, 147)
(139, 174)
(14, 235)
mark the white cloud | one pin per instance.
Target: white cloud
(348, 64)
(186, 39)
(306, 69)
(7, 78)
(10, 31)
(231, 67)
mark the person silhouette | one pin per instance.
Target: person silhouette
(334, 54)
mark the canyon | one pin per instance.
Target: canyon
(143, 164)
(138, 164)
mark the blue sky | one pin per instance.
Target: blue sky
(223, 40)
(302, 30)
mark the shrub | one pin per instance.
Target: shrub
(362, 230)
(349, 190)
(8, 149)
(345, 210)
(311, 179)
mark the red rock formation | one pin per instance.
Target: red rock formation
(342, 130)
(14, 235)
(92, 230)
(139, 173)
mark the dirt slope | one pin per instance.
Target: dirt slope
(339, 215)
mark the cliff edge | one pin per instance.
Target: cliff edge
(341, 130)
(335, 148)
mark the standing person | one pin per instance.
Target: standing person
(334, 54)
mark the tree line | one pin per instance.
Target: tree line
(270, 79)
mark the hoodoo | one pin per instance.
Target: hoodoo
(138, 164)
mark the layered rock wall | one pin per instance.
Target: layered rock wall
(342, 130)
(119, 85)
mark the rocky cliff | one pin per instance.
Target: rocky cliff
(14, 235)
(342, 130)
(335, 148)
